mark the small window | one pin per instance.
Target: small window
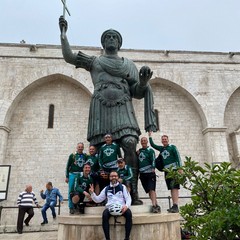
(157, 119)
(51, 116)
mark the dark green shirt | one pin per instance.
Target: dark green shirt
(81, 183)
(125, 173)
(108, 156)
(93, 161)
(75, 163)
(170, 154)
(146, 160)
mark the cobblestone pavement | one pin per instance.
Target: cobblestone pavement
(29, 236)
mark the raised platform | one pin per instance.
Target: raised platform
(146, 225)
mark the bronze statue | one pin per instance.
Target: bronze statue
(116, 81)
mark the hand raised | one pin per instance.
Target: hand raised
(145, 75)
(91, 188)
(63, 25)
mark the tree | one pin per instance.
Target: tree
(214, 210)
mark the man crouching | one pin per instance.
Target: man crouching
(80, 188)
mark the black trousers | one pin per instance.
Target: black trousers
(105, 223)
(21, 213)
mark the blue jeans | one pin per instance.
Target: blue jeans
(70, 185)
(45, 207)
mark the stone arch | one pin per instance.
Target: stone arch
(187, 94)
(232, 123)
(180, 109)
(40, 82)
(38, 153)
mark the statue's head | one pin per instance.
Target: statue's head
(112, 32)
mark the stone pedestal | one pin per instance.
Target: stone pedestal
(146, 225)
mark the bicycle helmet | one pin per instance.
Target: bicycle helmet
(115, 209)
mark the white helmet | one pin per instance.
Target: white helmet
(115, 209)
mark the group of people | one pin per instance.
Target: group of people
(99, 176)
(27, 198)
(94, 168)
(103, 176)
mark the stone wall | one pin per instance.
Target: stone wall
(197, 95)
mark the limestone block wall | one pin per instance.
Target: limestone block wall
(197, 95)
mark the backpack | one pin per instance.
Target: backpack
(159, 163)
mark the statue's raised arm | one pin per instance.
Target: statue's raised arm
(80, 60)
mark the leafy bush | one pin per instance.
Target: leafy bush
(214, 212)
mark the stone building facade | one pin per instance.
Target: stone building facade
(196, 95)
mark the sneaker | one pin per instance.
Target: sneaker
(173, 209)
(155, 209)
(44, 222)
(71, 211)
(54, 216)
(158, 208)
(26, 223)
(81, 208)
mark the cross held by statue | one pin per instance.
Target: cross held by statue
(65, 8)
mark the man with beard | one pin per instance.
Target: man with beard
(116, 195)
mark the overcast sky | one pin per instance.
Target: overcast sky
(194, 25)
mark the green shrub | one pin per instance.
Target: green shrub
(214, 212)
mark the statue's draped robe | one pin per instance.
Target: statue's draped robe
(111, 109)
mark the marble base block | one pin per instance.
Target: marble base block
(146, 225)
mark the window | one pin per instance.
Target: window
(51, 116)
(157, 119)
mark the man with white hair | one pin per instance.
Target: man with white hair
(25, 205)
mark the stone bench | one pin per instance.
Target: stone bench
(146, 225)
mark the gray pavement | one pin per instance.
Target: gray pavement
(30, 236)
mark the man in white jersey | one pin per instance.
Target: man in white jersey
(115, 193)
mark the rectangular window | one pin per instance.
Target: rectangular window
(157, 119)
(51, 116)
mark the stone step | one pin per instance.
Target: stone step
(138, 218)
(135, 209)
(147, 226)
(31, 228)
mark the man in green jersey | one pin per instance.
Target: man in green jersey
(171, 159)
(108, 155)
(80, 187)
(125, 173)
(92, 159)
(146, 161)
(74, 166)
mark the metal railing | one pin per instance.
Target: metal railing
(59, 204)
(14, 207)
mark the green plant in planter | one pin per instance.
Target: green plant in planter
(214, 210)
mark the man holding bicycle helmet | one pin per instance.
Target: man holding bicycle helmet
(118, 203)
